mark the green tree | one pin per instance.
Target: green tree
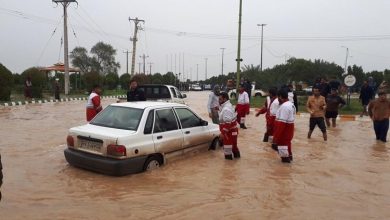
(80, 59)
(92, 78)
(6, 83)
(103, 59)
(111, 80)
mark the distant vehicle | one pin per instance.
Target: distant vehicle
(255, 92)
(207, 86)
(132, 137)
(308, 90)
(196, 87)
(158, 92)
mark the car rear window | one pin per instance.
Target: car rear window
(119, 117)
(155, 92)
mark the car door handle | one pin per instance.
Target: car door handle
(159, 137)
(187, 132)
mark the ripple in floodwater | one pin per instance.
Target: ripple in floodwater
(346, 177)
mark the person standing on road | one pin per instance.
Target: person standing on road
(333, 103)
(135, 94)
(213, 104)
(28, 88)
(366, 95)
(284, 127)
(379, 111)
(248, 88)
(228, 127)
(93, 104)
(324, 87)
(57, 89)
(267, 110)
(316, 106)
(242, 106)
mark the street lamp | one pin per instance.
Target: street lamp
(261, 58)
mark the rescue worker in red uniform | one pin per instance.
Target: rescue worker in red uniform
(228, 127)
(284, 126)
(267, 110)
(93, 103)
(242, 106)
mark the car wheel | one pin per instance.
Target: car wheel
(258, 95)
(215, 144)
(233, 95)
(152, 163)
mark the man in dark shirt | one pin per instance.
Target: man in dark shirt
(324, 87)
(366, 95)
(135, 94)
(333, 103)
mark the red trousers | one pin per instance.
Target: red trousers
(229, 133)
(242, 110)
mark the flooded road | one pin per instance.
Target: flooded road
(346, 178)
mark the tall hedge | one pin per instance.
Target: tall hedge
(38, 80)
(6, 83)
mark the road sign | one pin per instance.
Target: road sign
(350, 80)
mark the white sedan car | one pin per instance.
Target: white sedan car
(133, 137)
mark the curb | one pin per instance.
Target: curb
(18, 103)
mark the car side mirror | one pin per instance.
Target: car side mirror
(204, 123)
(183, 96)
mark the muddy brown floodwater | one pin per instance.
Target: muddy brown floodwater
(346, 178)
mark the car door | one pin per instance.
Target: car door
(194, 130)
(167, 136)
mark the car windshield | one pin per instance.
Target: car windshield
(119, 117)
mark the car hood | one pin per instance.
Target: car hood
(100, 132)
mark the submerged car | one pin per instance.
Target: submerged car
(133, 137)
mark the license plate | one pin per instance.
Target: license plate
(90, 145)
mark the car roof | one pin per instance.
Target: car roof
(148, 104)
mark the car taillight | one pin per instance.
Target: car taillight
(116, 150)
(70, 141)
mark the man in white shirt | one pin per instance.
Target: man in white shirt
(228, 127)
(213, 104)
(242, 106)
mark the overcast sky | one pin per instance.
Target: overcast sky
(315, 29)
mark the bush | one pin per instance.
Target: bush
(38, 80)
(6, 83)
(111, 80)
(124, 81)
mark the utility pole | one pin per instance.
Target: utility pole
(346, 61)
(206, 70)
(139, 67)
(197, 72)
(65, 4)
(183, 69)
(261, 58)
(127, 61)
(144, 58)
(150, 68)
(171, 64)
(239, 47)
(223, 49)
(134, 39)
(175, 65)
